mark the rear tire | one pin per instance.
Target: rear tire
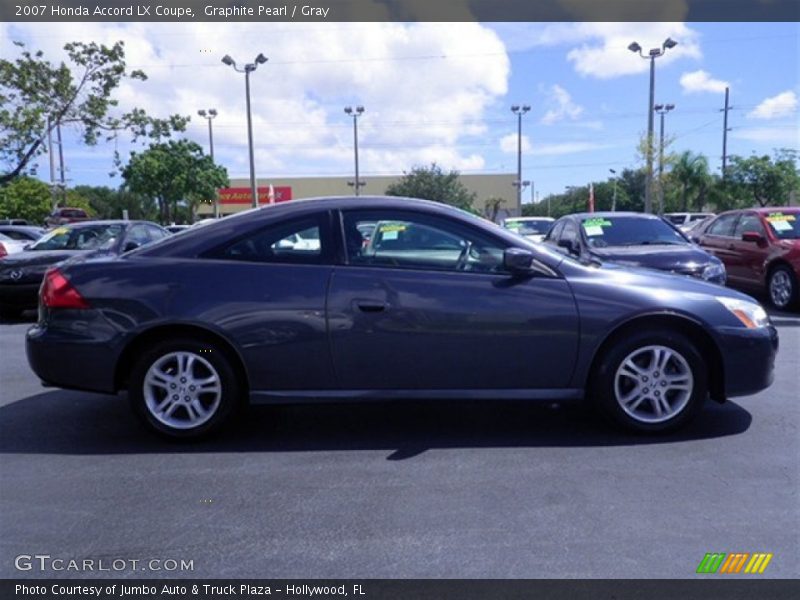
(650, 381)
(782, 288)
(184, 388)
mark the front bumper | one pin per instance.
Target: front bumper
(748, 357)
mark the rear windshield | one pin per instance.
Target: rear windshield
(785, 226)
(601, 232)
(79, 238)
(528, 227)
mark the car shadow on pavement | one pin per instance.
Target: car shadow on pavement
(77, 423)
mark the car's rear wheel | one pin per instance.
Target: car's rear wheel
(184, 388)
(651, 381)
(782, 287)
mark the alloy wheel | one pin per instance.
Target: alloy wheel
(780, 288)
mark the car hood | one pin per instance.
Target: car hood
(681, 259)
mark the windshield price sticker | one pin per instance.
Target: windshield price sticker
(595, 226)
(779, 217)
(393, 227)
(782, 225)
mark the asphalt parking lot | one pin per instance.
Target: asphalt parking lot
(445, 489)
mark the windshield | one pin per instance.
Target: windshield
(676, 219)
(602, 232)
(528, 227)
(79, 238)
(785, 226)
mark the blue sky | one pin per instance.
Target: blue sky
(442, 92)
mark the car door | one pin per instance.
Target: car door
(426, 305)
(718, 239)
(748, 265)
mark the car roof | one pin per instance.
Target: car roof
(608, 214)
(773, 209)
(530, 219)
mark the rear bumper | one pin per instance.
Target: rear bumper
(83, 357)
(748, 357)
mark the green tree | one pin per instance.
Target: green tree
(766, 180)
(25, 198)
(431, 183)
(690, 174)
(492, 208)
(36, 95)
(174, 172)
(108, 203)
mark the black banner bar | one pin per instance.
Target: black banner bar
(412, 589)
(399, 10)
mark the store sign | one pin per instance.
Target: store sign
(241, 195)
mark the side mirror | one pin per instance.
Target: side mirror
(753, 236)
(131, 246)
(518, 261)
(570, 245)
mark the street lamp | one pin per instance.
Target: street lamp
(519, 184)
(355, 113)
(248, 68)
(209, 116)
(661, 109)
(651, 56)
(614, 196)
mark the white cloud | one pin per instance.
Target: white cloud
(701, 81)
(781, 136)
(508, 143)
(782, 105)
(422, 85)
(604, 53)
(562, 106)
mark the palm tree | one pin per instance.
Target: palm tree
(691, 172)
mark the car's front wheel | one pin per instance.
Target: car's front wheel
(782, 287)
(184, 388)
(651, 381)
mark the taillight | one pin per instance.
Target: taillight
(3, 250)
(58, 292)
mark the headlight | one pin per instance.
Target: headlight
(749, 313)
(714, 271)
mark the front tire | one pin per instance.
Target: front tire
(650, 382)
(782, 288)
(184, 388)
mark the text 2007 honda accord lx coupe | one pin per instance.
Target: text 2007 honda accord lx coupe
(388, 298)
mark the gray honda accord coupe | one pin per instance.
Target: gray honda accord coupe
(378, 298)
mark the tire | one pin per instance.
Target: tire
(782, 288)
(167, 386)
(622, 387)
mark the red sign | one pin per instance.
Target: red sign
(243, 195)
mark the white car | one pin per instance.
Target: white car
(11, 246)
(532, 228)
(685, 220)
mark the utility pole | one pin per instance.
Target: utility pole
(614, 197)
(661, 109)
(519, 111)
(53, 200)
(725, 134)
(355, 113)
(209, 116)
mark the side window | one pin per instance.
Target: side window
(570, 232)
(555, 232)
(156, 233)
(300, 241)
(723, 225)
(748, 222)
(408, 240)
(138, 234)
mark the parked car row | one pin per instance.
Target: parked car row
(755, 249)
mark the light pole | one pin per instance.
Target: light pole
(519, 184)
(355, 113)
(661, 109)
(209, 116)
(652, 56)
(248, 68)
(614, 196)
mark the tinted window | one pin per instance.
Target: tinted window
(298, 241)
(676, 219)
(748, 222)
(156, 233)
(138, 234)
(602, 232)
(785, 226)
(527, 227)
(413, 241)
(570, 232)
(723, 225)
(555, 232)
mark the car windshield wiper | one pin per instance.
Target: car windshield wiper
(655, 243)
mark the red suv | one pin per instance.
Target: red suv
(62, 216)
(760, 248)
